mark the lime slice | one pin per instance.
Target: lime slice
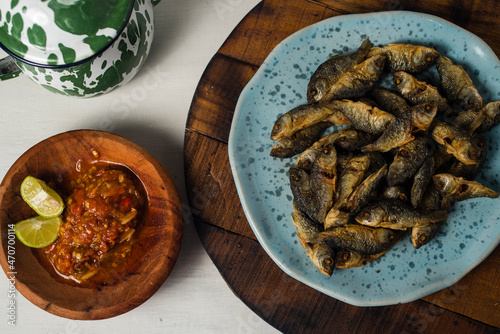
(41, 198)
(38, 232)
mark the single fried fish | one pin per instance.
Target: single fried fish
(407, 160)
(303, 195)
(323, 181)
(431, 201)
(343, 137)
(307, 158)
(323, 257)
(336, 218)
(492, 116)
(351, 177)
(349, 259)
(457, 85)
(457, 142)
(362, 194)
(422, 178)
(330, 71)
(400, 131)
(417, 92)
(389, 101)
(352, 139)
(357, 81)
(361, 239)
(457, 189)
(406, 57)
(397, 215)
(307, 229)
(469, 172)
(299, 141)
(421, 235)
(480, 120)
(304, 116)
(364, 117)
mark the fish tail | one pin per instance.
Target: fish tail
(487, 192)
(439, 216)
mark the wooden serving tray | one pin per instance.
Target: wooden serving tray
(471, 305)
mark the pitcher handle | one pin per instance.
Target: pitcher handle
(8, 69)
(155, 2)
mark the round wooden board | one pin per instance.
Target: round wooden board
(286, 304)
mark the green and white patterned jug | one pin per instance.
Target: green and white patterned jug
(80, 48)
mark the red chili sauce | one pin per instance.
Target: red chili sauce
(102, 212)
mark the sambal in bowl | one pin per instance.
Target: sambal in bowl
(121, 227)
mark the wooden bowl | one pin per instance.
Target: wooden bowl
(158, 236)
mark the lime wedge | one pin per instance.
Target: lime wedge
(38, 232)
(41, 198)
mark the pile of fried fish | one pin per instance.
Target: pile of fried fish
(401, 159)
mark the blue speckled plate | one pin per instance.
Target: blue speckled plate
(403, 274)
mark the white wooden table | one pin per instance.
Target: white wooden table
(151, 110)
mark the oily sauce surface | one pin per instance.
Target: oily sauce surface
(99, 222)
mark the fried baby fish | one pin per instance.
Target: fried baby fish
(330, 71)
(358, 238)
(389, 101)
(349, 259)
(421, 235)
(431, 201)
(336, 218)
(407, 160)
(457, 85)
(422, 178)
(357, 81)
(481, 120)
(406, 57)
(400, 131)
(457, 142)
(469, 172)
(299, 141)
(349, 139)
(303, 195)
(455, 189)
(307, 229)
(323, 181)
(363, 192)
(351, 177)
(397, 215)
(364, 117)
(417, 92)
(304, 116)
(323, 256)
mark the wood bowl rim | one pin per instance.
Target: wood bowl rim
(168, 261)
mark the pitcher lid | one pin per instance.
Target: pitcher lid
(58, 33)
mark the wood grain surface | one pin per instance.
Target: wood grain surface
(471, 305)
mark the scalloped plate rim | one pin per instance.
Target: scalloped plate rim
(430, 288)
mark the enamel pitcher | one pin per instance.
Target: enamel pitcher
(80, 48)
